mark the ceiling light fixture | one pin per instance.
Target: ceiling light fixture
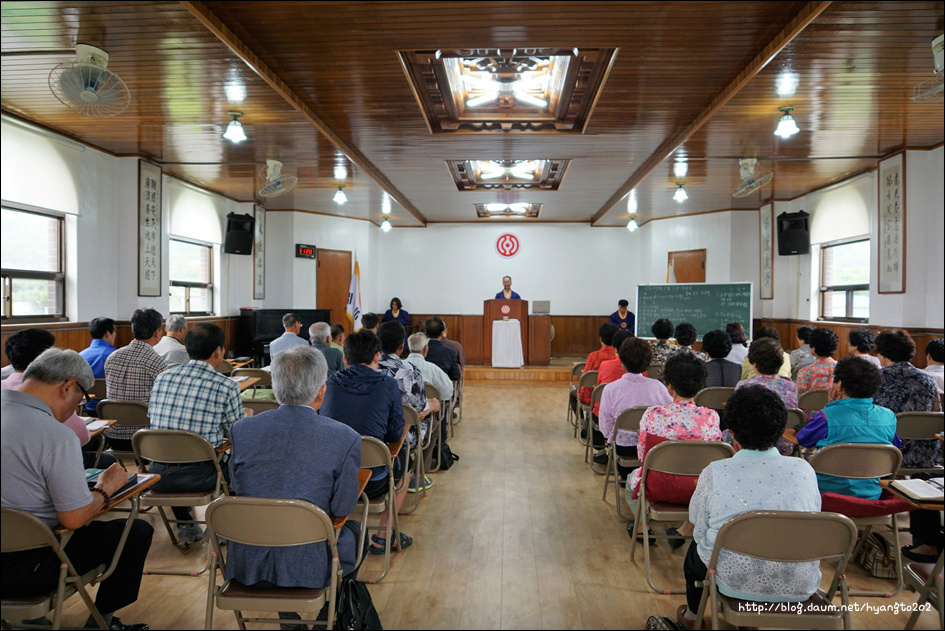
(680, 195)
(632, 225)
(385, 204)
(340, 197)
(787, 126)
(234, 131)
(385, 225)
(681, 169)
(341, 172)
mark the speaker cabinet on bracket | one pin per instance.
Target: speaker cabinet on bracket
(793, 233)
(239, 234)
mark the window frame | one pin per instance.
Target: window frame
(8, 275)
(188, 285)
(848, 290)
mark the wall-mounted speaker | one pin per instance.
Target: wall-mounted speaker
(793, 233)
(239, 234)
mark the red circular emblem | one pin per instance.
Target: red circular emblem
(507, 245)
(506, 310)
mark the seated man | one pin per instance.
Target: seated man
(338, 336)
(292, 325)
(934, 358)
(756, 478)
(453, 344)
(43, 474)
(171, 347)
(320, 337)
(369, 322)
(102, 331)
(318, 461)
(623, 317)
(410, 381)
(196, 398)
(370, 404)
(851, 417)
(22, 348)
(131, 370)
(440, 354)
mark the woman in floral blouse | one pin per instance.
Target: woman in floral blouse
(819, 375)
(686, 336)
(680, 420)
(767, 356)
(662, 330)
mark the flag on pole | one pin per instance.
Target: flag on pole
(671, 272)
(353, 308)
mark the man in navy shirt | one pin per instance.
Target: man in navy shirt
(507, 292)
(623, 317)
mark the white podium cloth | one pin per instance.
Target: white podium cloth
(507, 344)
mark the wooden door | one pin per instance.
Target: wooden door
(332, 281)
(687, 265)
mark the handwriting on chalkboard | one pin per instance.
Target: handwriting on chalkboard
(704, 305)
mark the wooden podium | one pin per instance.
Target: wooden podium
(536, 330)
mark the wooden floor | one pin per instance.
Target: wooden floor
(515, 535)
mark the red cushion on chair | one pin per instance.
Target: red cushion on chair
(665, 487)
(887, 504)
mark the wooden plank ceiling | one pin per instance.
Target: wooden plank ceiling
(320, 85)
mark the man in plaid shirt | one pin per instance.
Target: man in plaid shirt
(131, 370)
(196, 398)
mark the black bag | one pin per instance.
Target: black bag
(447, 457)
(355, 607)
(662, 623)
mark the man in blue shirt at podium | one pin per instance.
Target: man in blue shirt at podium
(507, 292)
(623, 317)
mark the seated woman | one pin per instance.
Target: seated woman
(317, 461)
(739, 342)
(755, 478)
(765, 356)
(819, 375)
(397, 313)
(662, 330)
(686, 335)
(851, 417)
(801, 357)
(769, 332)
(680, 420)
(633, 389)
(862, 343)
(721, 372)
(610, 370)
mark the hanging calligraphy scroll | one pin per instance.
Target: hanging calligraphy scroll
(766, 228)
(259, 254)
(150, 229)
(892, 225)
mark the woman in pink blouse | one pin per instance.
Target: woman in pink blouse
(819, 375)
(682, 419)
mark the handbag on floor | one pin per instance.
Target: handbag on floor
(662, 623)
(875, 558)
(355, 607)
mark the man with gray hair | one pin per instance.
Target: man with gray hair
(293, 326)
(171, 347)
(319, 335)
(317, 461)
(432, 374)
(43, 475)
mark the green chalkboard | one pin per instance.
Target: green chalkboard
(704, 305)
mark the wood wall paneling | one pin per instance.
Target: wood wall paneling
(539, 340)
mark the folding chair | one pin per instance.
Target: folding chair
(592, 425)
(864, 461)
(458, 399)
(576, 371)
(714, 398)
(654, 371)
(225, 367)
(375, 453)
(675, 457)
(271, 523)
(21, 531)
(259, 406)
(628, 420)
(175, 446)
(435, 421)
(264, 376)
(126, 414)
(926, 579)
(587, 380)
(412, 419)
(790, 537)
(812, 400)
(920, 426)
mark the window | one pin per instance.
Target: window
(31, 258)
(845, 281)
(191, 271)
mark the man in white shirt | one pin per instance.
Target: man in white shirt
(432, 374)
(934, 356)
(292, 325)
(171, 347)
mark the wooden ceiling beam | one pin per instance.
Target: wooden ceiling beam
(225, 35)
(794, 28)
